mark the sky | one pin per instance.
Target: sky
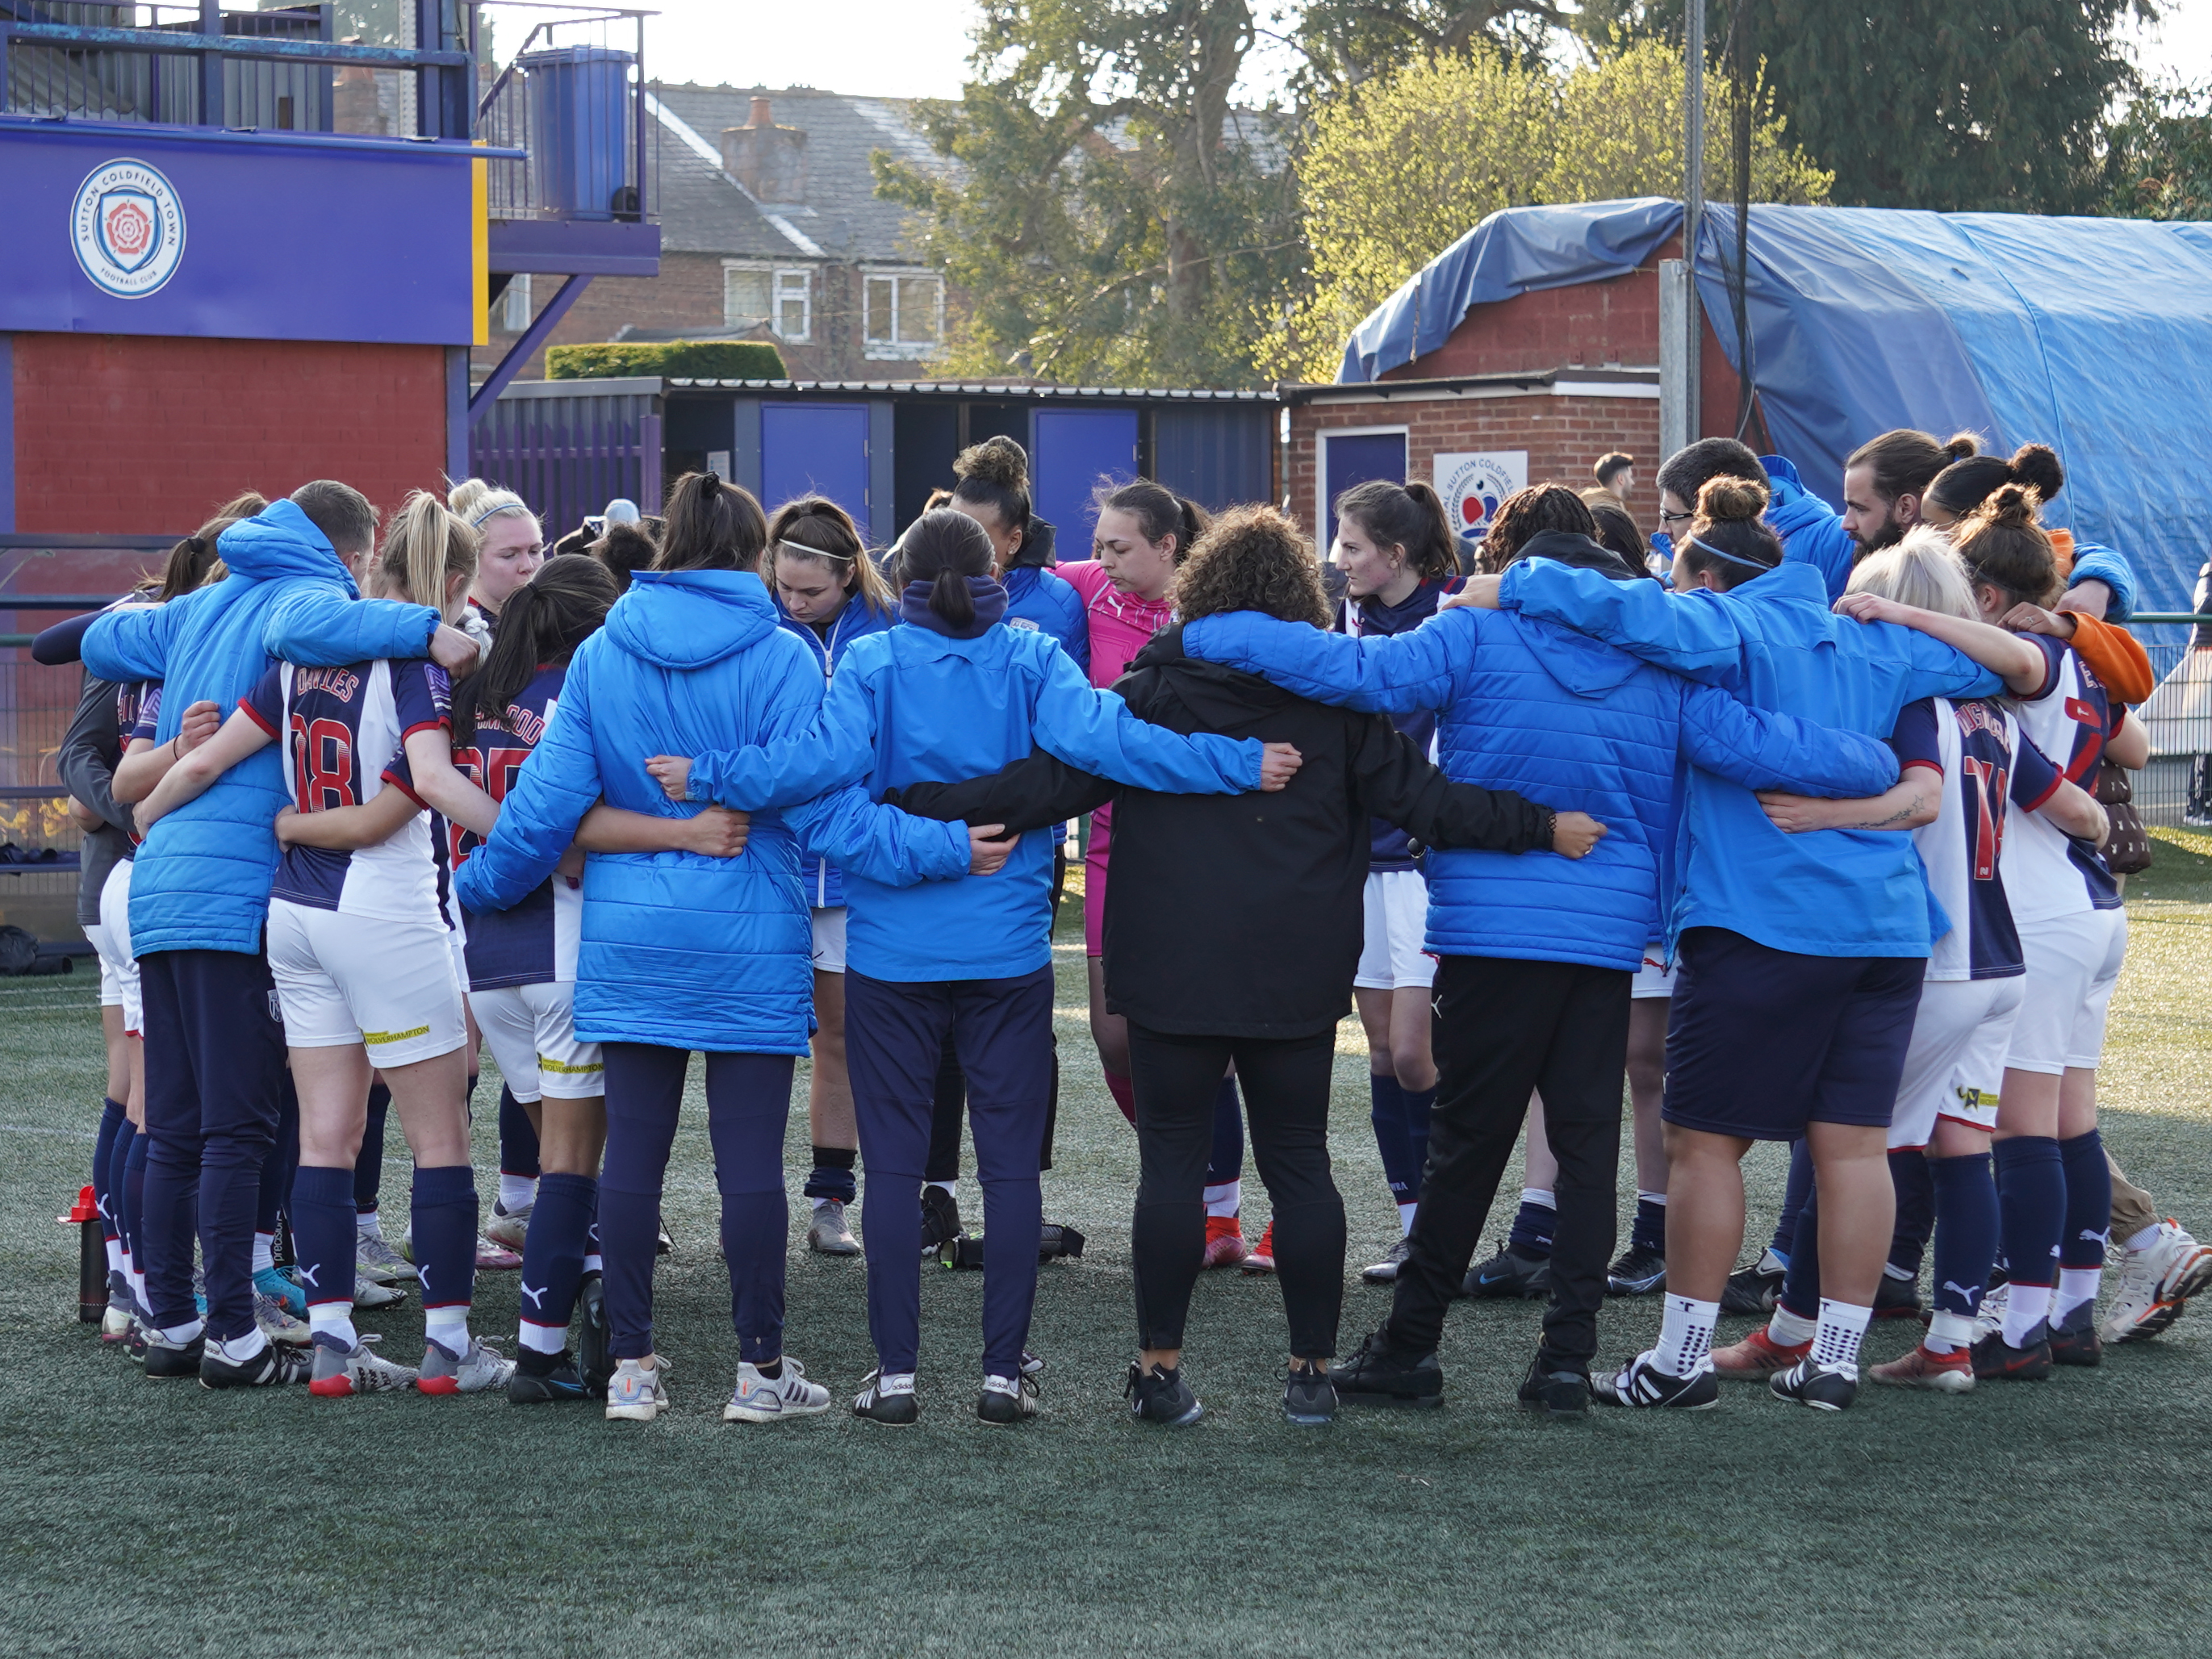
(918, 48)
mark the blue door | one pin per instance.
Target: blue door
(818, 449)
(1077, 450)
(1358, 459)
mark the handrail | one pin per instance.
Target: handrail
(484, 104)
(166, 43)
(2169, 616)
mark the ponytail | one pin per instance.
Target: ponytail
(2006, 547)
(944, 548)
(711, 526)
(426, 547)
(541, 625)
(194, 561)
(1157, 510)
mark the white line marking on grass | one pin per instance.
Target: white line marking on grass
(35, 1129)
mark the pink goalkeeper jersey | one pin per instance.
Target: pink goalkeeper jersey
(1120, 623)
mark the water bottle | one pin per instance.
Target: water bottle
(91, 1258)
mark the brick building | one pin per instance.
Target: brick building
(770, 229)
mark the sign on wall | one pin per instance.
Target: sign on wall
(311, 238)
(1471, 486)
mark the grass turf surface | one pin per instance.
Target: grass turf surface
(144, 1517)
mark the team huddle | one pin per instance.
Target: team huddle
(1802, 837)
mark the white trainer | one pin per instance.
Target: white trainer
(635, 1395)
(374, 1259)
(2155, 1284)
(508, 1227)
(277, 1323)
(771, 1398)
(481, 1368)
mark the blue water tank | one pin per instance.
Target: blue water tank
(579, 108)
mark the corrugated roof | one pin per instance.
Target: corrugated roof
(704, 210)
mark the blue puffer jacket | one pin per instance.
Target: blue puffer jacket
(1037, 599)
(824, 887)
(1570, 724)
(1774, 644)
(1811, 531)
(679, 948)
(911, 704)
(2094, 563)
(201, 882)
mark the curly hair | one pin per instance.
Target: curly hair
(1528, 514)
(1252, 558)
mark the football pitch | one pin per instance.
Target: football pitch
(138, 1518)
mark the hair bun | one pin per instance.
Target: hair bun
(2038, 466)
(1962, 445)
(997, 460)
(1722, 498)
(2012, 505)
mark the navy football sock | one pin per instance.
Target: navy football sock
(270, 1200)
(553, 1258)
(1801, 1285)
(1649, 1230)
(1227, 1164)
(445, 1218)
(134, 1201)
(323, 1238)
(1387, 1112)
(2088, 1202)
(518, 1141)
(1420, 1103)
(1910, 1177)
(2031, 1177)
(1966, 1231)
(368, 1167)
(1533, 1226)
(118, 1180)
(832, 1178)
(112, 1122)
(1793, 1198)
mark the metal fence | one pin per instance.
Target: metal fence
(569, 456)
(572, 93)
(2176, 787)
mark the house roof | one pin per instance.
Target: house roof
(703, 209)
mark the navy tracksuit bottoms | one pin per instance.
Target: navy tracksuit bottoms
(214, 1075)
(894, 1043)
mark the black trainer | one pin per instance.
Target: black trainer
(1308, 1396)
(1378, 1375)
(1160, 1395)
(880, 1405)
(1507, 1274)
(1898, 1298)
(1753, 1290)
(941, 1219)
(1008, 1399)
(595, 1360)
(273, 1367)
(1997, 1360)
(1641, 1384)
(167, 1358)
(2075, 1341)
(1556, 1390)
(1824, 1388)
(540, 1377)
(1638, 1271)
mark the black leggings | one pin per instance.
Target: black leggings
(1285, 1084)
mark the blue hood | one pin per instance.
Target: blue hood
(280, 542)
(686, 619)
(1578, 664)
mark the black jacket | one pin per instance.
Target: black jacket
(1241, 915)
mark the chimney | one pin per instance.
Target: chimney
(768, 159)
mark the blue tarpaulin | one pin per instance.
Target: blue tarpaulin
(2093, 336)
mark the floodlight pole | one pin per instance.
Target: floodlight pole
(1693, 205)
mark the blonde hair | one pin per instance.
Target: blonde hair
(477, 503)
(816, 531)
(1924, 570)
(426, 547)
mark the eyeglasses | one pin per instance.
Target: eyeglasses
(1665, 517)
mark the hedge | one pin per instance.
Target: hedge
(696, 360)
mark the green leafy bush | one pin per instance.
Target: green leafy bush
(695, 360)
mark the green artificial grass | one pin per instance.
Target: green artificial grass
(144, 1517)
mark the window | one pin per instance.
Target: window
(904, 314)
(514, 304)
(783, 298)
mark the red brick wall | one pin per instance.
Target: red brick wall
(141, 435)
(1563, 436)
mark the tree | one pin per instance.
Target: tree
(1407, 165)
(2159, 159)
(1953, 104)
(1111, 215)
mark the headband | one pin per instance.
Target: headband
(477, 523)
(1748, 564)
(814, 552)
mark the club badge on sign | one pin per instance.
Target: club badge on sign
(129, 229)
(1472, 486)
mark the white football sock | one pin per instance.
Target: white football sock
(369, 1224)
(448, 1327)
(1405, 1219)
(1685, 1335)
(240, 1349)
(1790, 1330)
(2025, 1309)
(2075, 1286)
(335, 1321)
(949, 1188)
(1643, 1197)
(1539, 1195)
(544, 1339)
(1225, 1198)
(819, 1202)
(1842, 1324)
(1947, 1333)
(2144, 1240)
(592, 1264)
(517, 1193)
(183, 1334)
(264, 1251)
(114, 1256)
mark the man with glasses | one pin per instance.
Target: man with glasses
(1811, 531)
